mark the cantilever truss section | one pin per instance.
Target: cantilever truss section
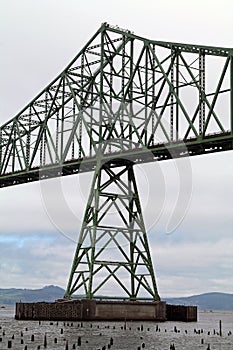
(128, 93)
(113, 260)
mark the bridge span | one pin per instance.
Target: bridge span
(123, 100)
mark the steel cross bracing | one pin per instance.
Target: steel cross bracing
(122, 95)
(113, 252)
(122, 100)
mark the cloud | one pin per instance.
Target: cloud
(22, 210)
(192, 268)
(35, 260)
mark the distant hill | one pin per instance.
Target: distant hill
(207, 301)
(13, 295)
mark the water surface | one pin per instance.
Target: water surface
(117, 335)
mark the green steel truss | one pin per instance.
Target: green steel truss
(113, 253)
(129, 95)
(123, 100)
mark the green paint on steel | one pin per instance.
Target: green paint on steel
(113, 241)
(129, 93)
(121, 97)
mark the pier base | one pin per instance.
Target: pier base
(181, 313)
(95, 310)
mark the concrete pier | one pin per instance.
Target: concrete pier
(181, 313)
(93, 310)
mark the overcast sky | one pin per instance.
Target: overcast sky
(37, 40)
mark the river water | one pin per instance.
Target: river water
(203, 335)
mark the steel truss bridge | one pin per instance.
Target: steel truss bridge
(122, 100)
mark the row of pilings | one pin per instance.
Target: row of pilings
(70, 335)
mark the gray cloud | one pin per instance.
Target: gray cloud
(192, 268)
(35, 260)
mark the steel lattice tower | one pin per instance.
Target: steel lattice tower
(113, 240)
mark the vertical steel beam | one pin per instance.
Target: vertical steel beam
(153, 97)
(231, 93)
(62, 119)
(201, 92)
(172, 98)
(146, 96)
(177, 93)
(1, 149)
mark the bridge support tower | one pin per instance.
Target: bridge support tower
(112, 258)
